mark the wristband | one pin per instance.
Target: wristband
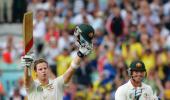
(74, 66)
(80, 54)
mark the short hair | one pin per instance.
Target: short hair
(38, 61)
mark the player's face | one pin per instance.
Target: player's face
(42, 71)
(138, 75)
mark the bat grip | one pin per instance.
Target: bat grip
(29, 71)
(29, 67)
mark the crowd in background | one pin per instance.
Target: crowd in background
(125, 30)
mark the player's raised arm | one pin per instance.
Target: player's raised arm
(84, 34)
(27, 62)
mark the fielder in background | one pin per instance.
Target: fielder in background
(44, 89)
(135, 89)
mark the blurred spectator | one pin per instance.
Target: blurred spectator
(19, 91)
(6, 10)
(167, 90)
(99, 37)
(156, 7)
(67, 25)
(39, 31)
(126, 5)
(166, 68)
(148, 57)
(49, 4)
(50, 16)
(65, 40)
(78, 6)
(147, 17)
(161, 62)
(157, 41)
(10, 51)
(50, 52)
(33, 6)
(115, 23)
(62, 7)
(83, 17)
(39, 24)
(17, 95)
(7, 56)
(63, 61)
(154, 82)
(102, 5)
(131, 49)
(92, 6)
(70, 16)
(2, 92)
(70, 92)
(98, 21)
(166, 12)
(128, 22)
(19, 8)
(52, 32)
(144, 37)
(84, 72)
(109, 73)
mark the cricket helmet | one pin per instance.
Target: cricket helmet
(84, 31)
(137, 66)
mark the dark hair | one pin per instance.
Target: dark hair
(36, 62)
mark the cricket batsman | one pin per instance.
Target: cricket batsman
(44, 89)
(135, 89)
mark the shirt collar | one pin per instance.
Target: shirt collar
(132, 87)
(39, 83)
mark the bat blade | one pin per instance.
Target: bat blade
(28, 32)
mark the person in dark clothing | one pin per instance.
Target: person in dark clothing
(16, 95)
(117, 22)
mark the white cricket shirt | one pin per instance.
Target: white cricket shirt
(127, 92)
(53, 91)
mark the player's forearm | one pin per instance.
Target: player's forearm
(27, 77)
(74, 65)
(76, 61)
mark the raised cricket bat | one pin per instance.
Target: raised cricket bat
(28, 32)
(28, 36)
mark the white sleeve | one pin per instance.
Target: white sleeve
(151, 94)
(120, 94)
(31, 88)
(59, 82)
(150, 89)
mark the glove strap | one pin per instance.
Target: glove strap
(81, 55)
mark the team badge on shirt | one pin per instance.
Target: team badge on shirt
(50, 87)
(39, 89)
(131, 96)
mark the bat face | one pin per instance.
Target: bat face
(28, 32)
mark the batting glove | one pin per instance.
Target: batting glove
(27, 60)
(85, 49)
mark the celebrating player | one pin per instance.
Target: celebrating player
(135, 89)
(45, 89)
